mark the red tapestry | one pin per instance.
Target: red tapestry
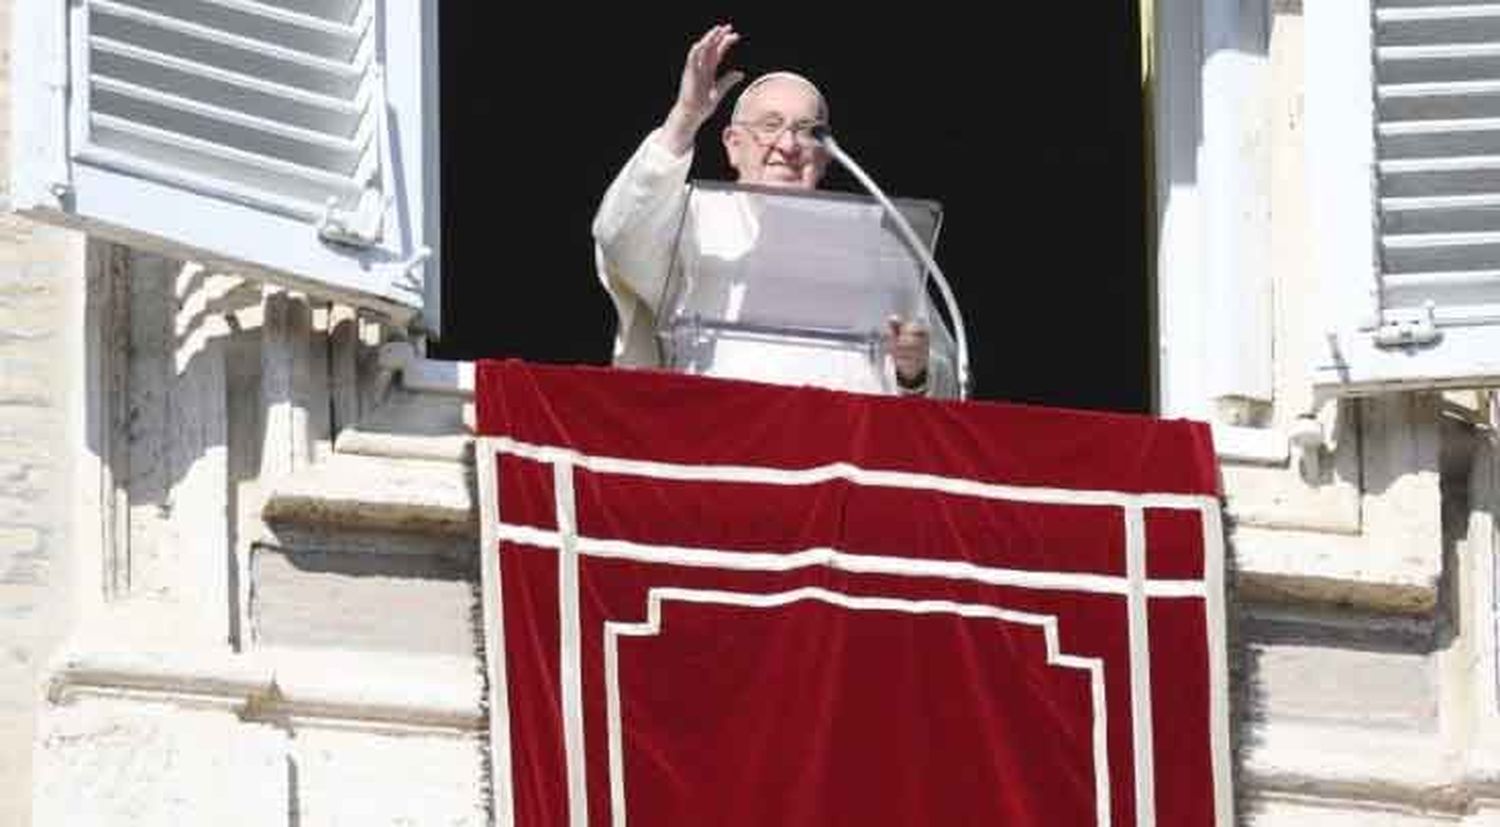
(731, 604)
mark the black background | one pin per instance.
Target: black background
(1027, 127)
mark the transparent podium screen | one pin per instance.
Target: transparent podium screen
(813, 260)
(810, 270)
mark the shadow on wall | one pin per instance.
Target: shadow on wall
(209, 383)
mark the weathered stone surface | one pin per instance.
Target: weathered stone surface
(38, 335)
(362, 600)
(1309, 813)
(105, 763)
(415, 426)
(1351, 686)
(348, 779)
(378, 493)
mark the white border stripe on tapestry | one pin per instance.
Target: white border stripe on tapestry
(1218, 664)
(652, 626)
(1141, 724)
(844, 471)
(570, 644)
(490, 584)
(845, 561)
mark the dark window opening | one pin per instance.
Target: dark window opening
(1029, 130)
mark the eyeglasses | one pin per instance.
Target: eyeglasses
(768, 130)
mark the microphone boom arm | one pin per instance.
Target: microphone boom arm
(929, 264)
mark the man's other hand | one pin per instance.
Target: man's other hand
(908, 343)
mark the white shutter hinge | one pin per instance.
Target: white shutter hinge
(1407, 327)
(401, 270)
(359, 227)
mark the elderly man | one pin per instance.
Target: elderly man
(769, 142)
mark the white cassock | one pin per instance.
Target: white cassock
(635, 233)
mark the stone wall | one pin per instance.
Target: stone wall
(40, 285)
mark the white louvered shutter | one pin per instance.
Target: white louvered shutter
(1403, 128)
(293, 138)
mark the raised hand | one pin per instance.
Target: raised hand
(701, 88)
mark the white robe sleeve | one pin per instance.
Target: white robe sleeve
(634, 231)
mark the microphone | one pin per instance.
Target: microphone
(824, 136)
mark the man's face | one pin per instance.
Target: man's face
(769, 143)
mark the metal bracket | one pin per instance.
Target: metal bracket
(401, 270)
(1308, 442)
(1407, 328)
(359, 227)
(1313, 439)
